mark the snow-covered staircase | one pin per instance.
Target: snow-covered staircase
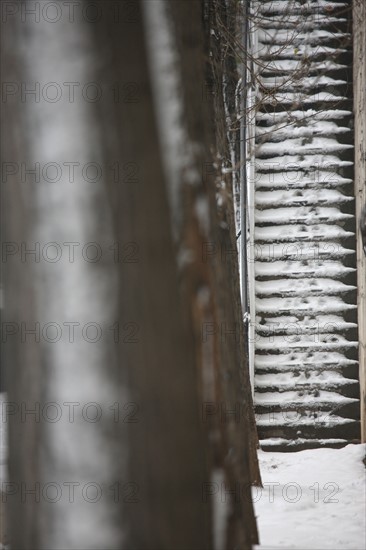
(306, 379)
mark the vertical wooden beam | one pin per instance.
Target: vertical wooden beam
(359, 83)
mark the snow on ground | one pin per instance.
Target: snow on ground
(312, 500)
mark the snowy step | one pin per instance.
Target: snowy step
(297, 51)
(292, 407)
(305, 251)
(326, 341)
(350, 388)
(302, 255)
(311, 145)
(305, 305)
(311, 23)
(296, 67)
(280, 444)
(326, 421)
(300, 233)
(293, 7)
(309, 116)
(294, 37)
(348, 371)
(310, 359)
(311, 431)
(302, 287)
(299, 98)
(333, 427)
(305, 379)
(301, 197)
(302, 162)
(296, 334)
(300, 269)
(270, 86)
(295, 179)
(314, 399)
(300, 324)
(303, 214)
(276, 133)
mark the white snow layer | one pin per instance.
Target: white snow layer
(312, 500)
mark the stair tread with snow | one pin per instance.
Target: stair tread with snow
(302, 287)
(304, 268)
(308, 215)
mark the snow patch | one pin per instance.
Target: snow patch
(313, 499)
